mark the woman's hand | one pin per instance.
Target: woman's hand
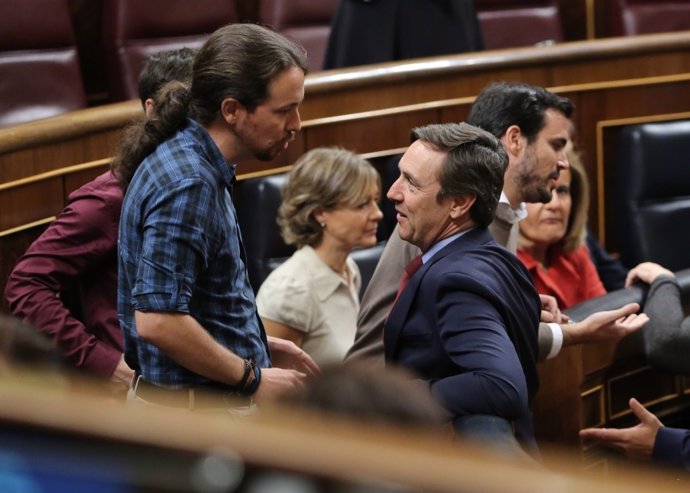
(286, 354)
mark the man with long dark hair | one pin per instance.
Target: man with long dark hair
(185, 305)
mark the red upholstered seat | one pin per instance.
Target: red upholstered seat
(631, 17)
(306, 21)
(39, 66)
(512, 23)
(133, 30)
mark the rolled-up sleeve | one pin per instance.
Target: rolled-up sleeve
(174, 248)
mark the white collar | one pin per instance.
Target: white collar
(505, 212)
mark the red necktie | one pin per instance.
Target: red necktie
(411, 267)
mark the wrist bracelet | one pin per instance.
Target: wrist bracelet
(254, 384)
(248, 365)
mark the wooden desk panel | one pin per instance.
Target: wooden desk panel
(31, 202)
(557, 407)
(371, 133)
(11, 248)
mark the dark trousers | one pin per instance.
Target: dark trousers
(498, 434)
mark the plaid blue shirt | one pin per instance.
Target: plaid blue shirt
(181, 251)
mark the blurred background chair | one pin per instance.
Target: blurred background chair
(652, 194)
(39, 66)
(512, 23)
(632, 17)
(305, 21)
(258, 201)
(134, 30)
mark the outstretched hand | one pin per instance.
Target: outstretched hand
(286, 354)
(636, 442)
(609, 325)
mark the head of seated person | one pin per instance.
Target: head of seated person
(365, 393)
(163, 73)
(329, 207)
(23, 349)
(162, 68)
(552, 240)
(331, 200)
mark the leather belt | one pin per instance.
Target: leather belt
(188, 397)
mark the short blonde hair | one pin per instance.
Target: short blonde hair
(325, 177)
(576, 233)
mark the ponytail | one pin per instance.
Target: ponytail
(141, 138)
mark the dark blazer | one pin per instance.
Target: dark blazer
(467, 323)
(383, 285)
(672, 446)
(374, 31)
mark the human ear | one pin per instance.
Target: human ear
(461, 205)
(320, 215)
(148, 107)
(513, 140)
(229, 109)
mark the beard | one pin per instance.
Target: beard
(258, 147)
(265, 154)
(535, 188)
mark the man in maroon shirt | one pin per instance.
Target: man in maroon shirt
(66, 282)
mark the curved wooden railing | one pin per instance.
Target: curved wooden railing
(92, 437)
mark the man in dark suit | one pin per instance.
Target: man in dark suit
(467, 320)
(534, 126)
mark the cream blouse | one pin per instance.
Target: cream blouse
(306, 294)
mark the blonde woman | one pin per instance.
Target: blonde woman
(552, 241)
(329, 207)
